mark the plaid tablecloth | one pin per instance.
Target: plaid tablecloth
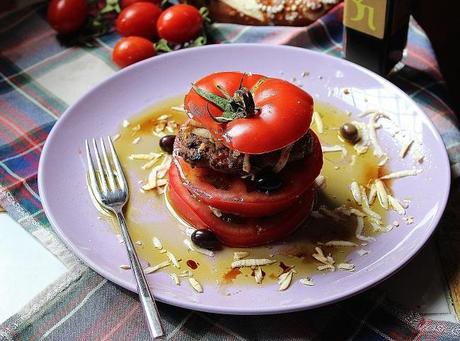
(39, 79)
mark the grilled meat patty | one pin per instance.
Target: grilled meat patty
(196, 146)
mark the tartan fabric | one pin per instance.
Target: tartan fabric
(39, 78)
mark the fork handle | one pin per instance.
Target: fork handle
(148, 303)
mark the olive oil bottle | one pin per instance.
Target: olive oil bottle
(375, 32)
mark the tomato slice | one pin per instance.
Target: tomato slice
(231, 194)
(245, 232)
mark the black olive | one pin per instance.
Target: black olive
(268, 181)
(349, 132)
(205, 239)
(167, 143)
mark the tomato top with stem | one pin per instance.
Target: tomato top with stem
(250, 113)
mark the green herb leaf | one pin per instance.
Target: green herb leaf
(222, 103)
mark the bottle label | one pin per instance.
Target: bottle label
(367, 16)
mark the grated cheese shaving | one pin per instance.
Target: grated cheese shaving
(152, 269)
(173, 259)
(125, 267)
(195, 284)
(372, 194)
(401, 174)
(340, 243)
(346, 266)
(156, 243)
(355, 191)
(363, 252)
(405, 148)
(381, 193)
(318, 121)
(396, 205)
(252, 262)
(285, 279)
(307, 281)
(258, 275)
(320, 182)
(237, 255)
(175, 278)
(246, 163)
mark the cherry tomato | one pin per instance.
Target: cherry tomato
(233, 195)
(67, 16)
(126, 3)
(180, 23)
(138, 19)
(129, 50)
(277, 113)
(244, 232)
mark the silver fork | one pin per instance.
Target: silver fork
(110, 189)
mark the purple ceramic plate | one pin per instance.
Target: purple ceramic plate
(67, 203)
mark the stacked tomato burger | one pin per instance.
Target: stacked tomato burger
(245, 161)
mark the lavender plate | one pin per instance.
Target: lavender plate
(68, 206)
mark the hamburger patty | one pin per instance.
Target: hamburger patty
(196, 146)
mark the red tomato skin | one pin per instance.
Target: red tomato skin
(67, 16)
(126, 3)
(284, 116)
(179, 23)
(237, 200)
(130, 50)
(251, 232)
(138, 19)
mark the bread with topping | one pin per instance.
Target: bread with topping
(267, 12)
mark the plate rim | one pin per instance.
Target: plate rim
(244, 310)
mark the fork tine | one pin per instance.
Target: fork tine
(103, 182)
(120, 175)
(92, 174)
(108, 167)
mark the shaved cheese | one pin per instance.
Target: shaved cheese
(215, 211)
(156, 243)
(195, 284)
(378, 151)
(237, 255)
(340, 243)
(396, 205)
(316, 118)
(320, 182)
(258, 275)
(372, 194)
(202, 132)
(362, 145)
(252, 262)
(381, 193)
(346, 266)
(333, 149)
(175, 278)
(178, 108)
(285, 280)
(363, 252)
(401, 174)
(284, 157)
(157, 267)
(405, 148)
(326, 267)
(307, 281)
(355, 191)
(247, 163)
(173, 259)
